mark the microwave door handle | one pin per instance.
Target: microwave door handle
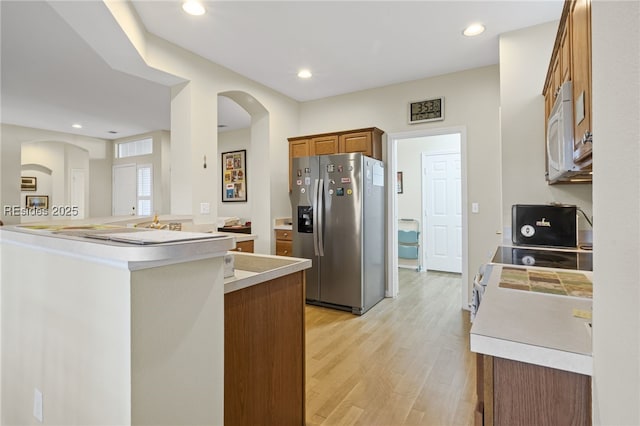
(321, 217)
(314, 209)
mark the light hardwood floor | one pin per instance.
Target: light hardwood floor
(405, 362)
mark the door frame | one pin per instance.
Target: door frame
(392, 206)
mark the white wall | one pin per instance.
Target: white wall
(194, 130)
(524, 59)
(234, 141)
(616, 206)
(471, 102)
(11, 142)
(51, 163)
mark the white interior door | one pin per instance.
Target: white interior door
(442, 211)
(77, 193)
(124, 190)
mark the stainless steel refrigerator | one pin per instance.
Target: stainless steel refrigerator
(339, 223)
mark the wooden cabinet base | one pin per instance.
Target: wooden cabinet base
(244, 246)
(264, 353)
(517, 393)
(284, 243)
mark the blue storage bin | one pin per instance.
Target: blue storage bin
(408, 237)
(408, 252)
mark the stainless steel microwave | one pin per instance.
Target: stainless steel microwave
(560, 136)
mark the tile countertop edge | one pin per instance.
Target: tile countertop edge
(244, 279)
(522, 352)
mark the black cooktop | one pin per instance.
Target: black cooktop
(581, 261)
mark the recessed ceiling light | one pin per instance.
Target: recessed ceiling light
(473, 30)
(76, 126)
(304, 74)
(193, 7)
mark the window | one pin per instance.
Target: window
(145, 190)
(134, 148)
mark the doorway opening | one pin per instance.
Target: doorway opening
(453, 238)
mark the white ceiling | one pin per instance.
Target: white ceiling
(52, 77)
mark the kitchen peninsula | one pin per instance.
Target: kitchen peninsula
(534, 361)
(102, 331)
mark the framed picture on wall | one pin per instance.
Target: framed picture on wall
(399, 183)
(234, 176)
(28, 183)
(37, 202)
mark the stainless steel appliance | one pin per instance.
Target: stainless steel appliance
(338, 222)
(544, 258)
(544, 225)
(560, 136)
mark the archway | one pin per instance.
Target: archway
(255, 140)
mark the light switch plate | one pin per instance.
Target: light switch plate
(205, 208)
(475, 207)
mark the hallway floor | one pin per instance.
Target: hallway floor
(405, 362)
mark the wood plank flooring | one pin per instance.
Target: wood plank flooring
(405, 362)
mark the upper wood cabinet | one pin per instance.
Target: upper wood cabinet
(323, 145)
(571, 61)
(367, 141)
(581, 77)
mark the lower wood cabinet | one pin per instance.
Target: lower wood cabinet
(517, 393)
(244, 246)
(264, 353)
(284, 243)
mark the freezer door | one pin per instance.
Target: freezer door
(341, 266)
(374, 237)
(304, 179)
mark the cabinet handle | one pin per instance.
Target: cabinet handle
(286, 252)
(239, 248)
(286, 234)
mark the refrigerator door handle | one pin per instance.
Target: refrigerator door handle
(316, 218)
(320, 215)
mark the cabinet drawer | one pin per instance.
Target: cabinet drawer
(244, 246)
(283, 234)
(284, 248)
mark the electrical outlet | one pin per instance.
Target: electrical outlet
(475, 207)
(205, 208)
(37, 404)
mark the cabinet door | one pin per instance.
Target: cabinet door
(244, 246)
(324, 145)
(581, 76)
(565, 53)
(557, 79)
(298, 148)
(357, 142)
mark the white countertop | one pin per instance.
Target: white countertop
(69, 241)
(532, 327)
(283, 223)
(252, 269)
